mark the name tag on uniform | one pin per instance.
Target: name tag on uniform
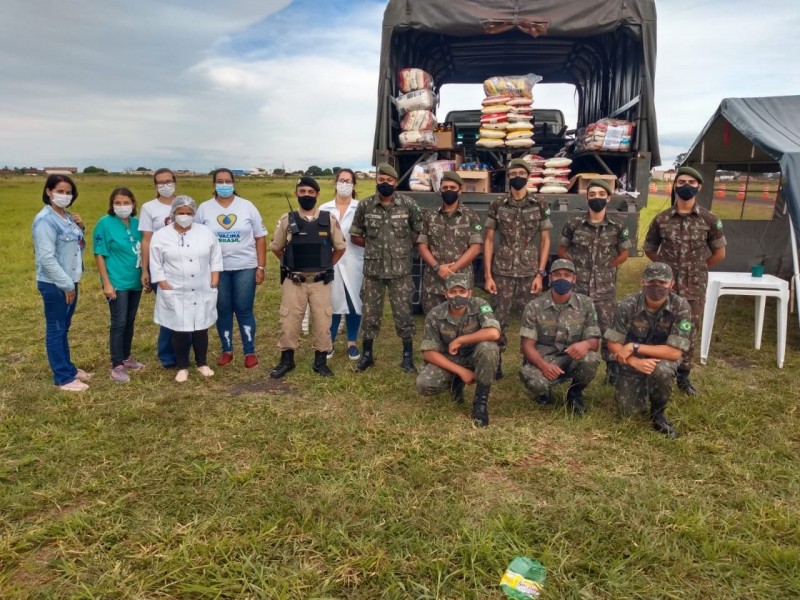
(323, 234)
(403, 216)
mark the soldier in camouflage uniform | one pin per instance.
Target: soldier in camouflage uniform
(597, 244)
(386, 225)
(559, 339)
(451, 238)
(690, 240)
(513, 262)
(650, 332)
(460, 347)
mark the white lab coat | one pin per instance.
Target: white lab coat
(350, 268)
(185, 261)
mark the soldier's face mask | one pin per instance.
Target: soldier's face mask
(456, 300)
(655, 291)
(518, 182)
(449, 196)
(306, 202)
(562, 286)
(596, 204)
(385, 189)
(687, 191)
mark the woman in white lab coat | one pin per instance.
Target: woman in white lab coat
(185, 263)
(346, 286)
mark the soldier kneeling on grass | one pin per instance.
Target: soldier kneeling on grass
(559, 338)
(650, 332)
(460, 347)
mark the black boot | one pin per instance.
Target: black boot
(408, 356)
(685, 385)
(612, 372)
(575, 399)
(366, 360)
(662, 425)
(321, 364)
(480, 408)
(544, 399)
(283, 367)
(499, 373)
(457, 389)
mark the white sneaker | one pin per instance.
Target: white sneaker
(182, 376)
(73, 386)
(83, 375)
(205, 371)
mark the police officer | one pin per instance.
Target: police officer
(650, 332)
(308, 243)
(513, 262)
(386, 225)
(451, 238)
(690, 240)
(460, 347)
(597, 244)
(559, 339)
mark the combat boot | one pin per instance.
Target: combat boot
(408, 356)
(575, 399)
(480, 408)
(457, 389)
(612, 372)
(662, 425)
(499, 373)
(544, 399)
(685, 385)
(366, 360)
(283, 367)
(321, 364)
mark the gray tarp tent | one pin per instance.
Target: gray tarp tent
(581, 42)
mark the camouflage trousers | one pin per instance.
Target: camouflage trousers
(605, 318)
(483, 359)
(511, 291)
(578, 371)
(432, 293)
(697, 306)
(400, 294)
(636, 390)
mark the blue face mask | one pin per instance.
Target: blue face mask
(224, 190)
(561, 286)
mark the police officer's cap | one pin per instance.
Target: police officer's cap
(562, 263)
(518, 163)
(309, 182)
(458, 280)
(387, 169)
(657, 271)
(452, 176)
(601, 183)
(691, 173)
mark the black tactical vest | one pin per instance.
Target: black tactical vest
(312, 248)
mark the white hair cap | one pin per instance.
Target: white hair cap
(182, 201)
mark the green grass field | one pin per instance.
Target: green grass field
(355, 487)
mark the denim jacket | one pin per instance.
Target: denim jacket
(58, 245)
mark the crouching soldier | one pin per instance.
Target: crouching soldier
(650, 332)
(559, 338)
(460, 347)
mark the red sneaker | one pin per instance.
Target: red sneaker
(250, 361)
(225, 358)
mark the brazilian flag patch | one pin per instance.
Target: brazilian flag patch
(624, 235)
(685, 325)
(477, 227)
(719, 223)
(546, 212)
(486, 308)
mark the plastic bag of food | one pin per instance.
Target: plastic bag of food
(498, 134)
(420, 181)
(551, 188)
(418, 120)
(494, 118)
(418, 100)
(519, 134)
(557, 162)
(519, 143)
(416, 139)
(516, 86)
(495, 100)
(410, 79)
(500, 125)
(608, 135)
(436, 169)
(490, 143)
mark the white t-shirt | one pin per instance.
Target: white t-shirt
(154, 215)
(236, 228)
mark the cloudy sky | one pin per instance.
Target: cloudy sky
(268, 83)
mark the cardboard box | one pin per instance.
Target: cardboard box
(583, 179)
(475, 181)
(444, 139)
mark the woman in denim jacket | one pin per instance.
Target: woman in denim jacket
(58, 245)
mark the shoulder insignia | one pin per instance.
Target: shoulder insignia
(486, 308)
(719, 223)
(547, 212)
(477, 227)
(624, 234)
(685, 325)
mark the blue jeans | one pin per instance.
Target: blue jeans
(123, 315)
(166, 355)
(351, 319)
(236, 294)
(58, 318)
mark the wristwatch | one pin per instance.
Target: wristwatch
(542, 273)
(635, 349)
(436, 267)
(260, 267)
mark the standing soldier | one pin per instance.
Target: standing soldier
(597, 244)
(690, 240)
(514, 265)
(651, 330)
(386, 225)
(460, 347)
(308, 243)
(559, 339)
(451, 238)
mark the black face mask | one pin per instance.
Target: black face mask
(449, 197)
(307, 202)
(458, 302)
(656, 293)
(597, 204)
(686, 191)
(518, 183)
(561, 286)
(385, 189)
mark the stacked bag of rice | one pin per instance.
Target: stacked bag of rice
(507, 112)
(607, 135)
(536, 166)
(416, 106)
(555, 177)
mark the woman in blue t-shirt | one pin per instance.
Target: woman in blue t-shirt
(117, 252)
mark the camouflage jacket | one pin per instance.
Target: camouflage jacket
(592, 247)
(449, 235)
(441, 327)
(389, 233)
(517, 224)
(684, 242)
(671, 325)
(554, 327)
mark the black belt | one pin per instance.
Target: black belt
(299, 278)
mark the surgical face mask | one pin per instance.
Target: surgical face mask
(686, 191)
(561, 286)
(449, 196)
(124, 211)
(385, 189)
(518, 183)
(344, 189)
(224, 190)
(61, 200)
(307, 202)
(166, 190)
(655, 292)
(457, 302)
(597, 204)
(184, 220)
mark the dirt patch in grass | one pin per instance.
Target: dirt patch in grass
(265, 386)
(738, 362)
(34, 571)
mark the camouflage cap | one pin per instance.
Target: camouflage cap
(691, 173)
(452, 176)
(386, 169)
(601, 183)
(458, 279)
(518, 163)
(562, 263)
(657, 271)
